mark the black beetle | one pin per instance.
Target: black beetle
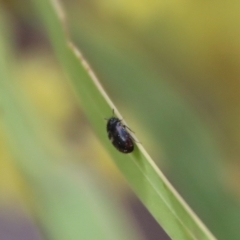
(119, 136)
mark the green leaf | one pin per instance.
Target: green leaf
(67, 202)
(145, 178)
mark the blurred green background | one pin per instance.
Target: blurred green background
(172, 68)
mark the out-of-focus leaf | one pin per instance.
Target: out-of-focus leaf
(67, 203)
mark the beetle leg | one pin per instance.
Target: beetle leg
(125, 126)
(130, 134)
(134, 139)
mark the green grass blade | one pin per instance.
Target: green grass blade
(67, 203)
(139, 169)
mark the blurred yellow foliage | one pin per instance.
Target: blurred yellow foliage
(136, 13)
(45, 86)
(12, 185)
